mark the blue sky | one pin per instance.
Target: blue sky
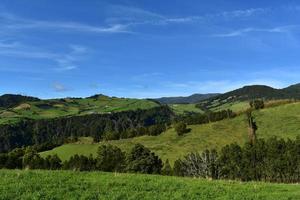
(146, 48)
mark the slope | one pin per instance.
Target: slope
(44, 109)
(248, 93)
(282, 121)
(96, 185)
(184, 100)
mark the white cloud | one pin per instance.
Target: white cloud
(58, 87)
(11, 22)
(64, 61)
(280, 29)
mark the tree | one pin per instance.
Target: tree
(79, 163)
(178, 169)
(142, 160)
(167, 170)
(32, 160)
(252, 127)
(52, 162)
(257, 104)
(181, 128)
(110, 159)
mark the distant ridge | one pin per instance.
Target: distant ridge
(10, 100)
(251, 92)
(183, 100)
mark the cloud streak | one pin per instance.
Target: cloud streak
(13, 22)
(240, 32)
(64, 61)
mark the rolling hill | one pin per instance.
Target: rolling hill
(248, 93)
(18, 107)
(281, 121)
(195, 98)
(10, 100)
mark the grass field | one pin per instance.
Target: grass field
(185, 108)
(234, 106)
(282, 121)
(68, 107)
(30, 185)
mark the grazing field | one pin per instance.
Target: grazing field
(185, 108)
(69, 107)
(16, 184)
(234, 106)
(282, 121)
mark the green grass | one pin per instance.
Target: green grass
(30, 185)
(282, 121)
(234, 106)
(185, 108)
(56, 108)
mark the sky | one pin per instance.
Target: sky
(146, 48)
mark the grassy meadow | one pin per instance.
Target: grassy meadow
(185, 108)
(281, 121)
(69, 107)
(16, 184)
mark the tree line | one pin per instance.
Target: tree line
(271, 160)
(51, 132)
(108, 159)
(207, 117)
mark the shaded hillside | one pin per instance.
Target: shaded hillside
(10, 100)
(249, 93)
(99, 126)
(184, 100)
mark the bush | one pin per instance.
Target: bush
(257, 104)
(110, 159)
(181, 128)
(142, 160)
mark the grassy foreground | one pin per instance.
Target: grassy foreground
(282, 121)
(16, 184)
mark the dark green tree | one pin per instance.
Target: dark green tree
(110, 159)
(32, 160)
(167, 169)
(142, 160)
(181, 128)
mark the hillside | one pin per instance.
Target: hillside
(185, 100)
(33, 108)
(281, 121)
(249, 93)
(185, 109)
(10, 100)
(97, 185)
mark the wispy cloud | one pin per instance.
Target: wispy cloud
(280, 29)
(120, 19)
(64, 61)
(9, 21)
(133, 16)
(58, 87)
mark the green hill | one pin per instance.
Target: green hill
(248, 93)
(44, 109)
(17, 184)
(10, 100)
(195, 98)
(282, 121)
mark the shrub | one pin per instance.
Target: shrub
(110, 158)
(142, 160)
(181, 128)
